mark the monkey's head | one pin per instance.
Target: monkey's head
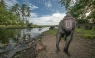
(68, 16)
(68, 22)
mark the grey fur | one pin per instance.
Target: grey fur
(65, 31)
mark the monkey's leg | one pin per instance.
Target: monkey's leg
(68, 41)
(58, 41)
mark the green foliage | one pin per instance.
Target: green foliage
(79, 8)
(78, 30)
(86, 33)
(34, 26)
(65, 2)
(88, 36)
(94, 29)
(27, 22)
(53, 31)
(6, 17)
(80, 21)
(14, 14)
(2, 5)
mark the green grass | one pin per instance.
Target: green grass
(86, 33)
(47, 33)
(53, 31)
(39, 38)
(12, 26)
(89, 34)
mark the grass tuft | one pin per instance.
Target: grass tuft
(86, 33)
(53, 31)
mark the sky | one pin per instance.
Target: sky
(43, 12)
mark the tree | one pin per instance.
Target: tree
(28, 12)
(2, 5)
(14, 14)
(2, 10)
(23, 11)
(16, 11)
(79, 8)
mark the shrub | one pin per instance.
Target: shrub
(89, 36)
(80, 21)
(88, 27)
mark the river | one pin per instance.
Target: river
(10, 37)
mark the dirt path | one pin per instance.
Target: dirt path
(79, 48)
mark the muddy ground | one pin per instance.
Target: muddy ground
(45, 48)
(79, 47)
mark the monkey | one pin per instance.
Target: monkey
(66, 29)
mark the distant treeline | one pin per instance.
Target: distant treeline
(16, 14)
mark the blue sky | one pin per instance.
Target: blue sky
(43, 12)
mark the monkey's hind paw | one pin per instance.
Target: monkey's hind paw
(67, 53)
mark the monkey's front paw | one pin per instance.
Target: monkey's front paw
(57, 51)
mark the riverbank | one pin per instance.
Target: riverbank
(79, 47)
(12, 26)
(16, 26)
(45, 47)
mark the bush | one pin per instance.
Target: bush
(51, 27)
(78, 30)
(88, 27)
(29, 25)
(94, 29)
(89, 36)
(78, 26)
(86, 33)
(80, 21)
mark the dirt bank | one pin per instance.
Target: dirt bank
(45, 48)
(79, 47)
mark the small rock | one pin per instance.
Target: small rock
(33, 41)
(49, 52)
(40, 48)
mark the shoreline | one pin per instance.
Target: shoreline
(15, 52)
(45, 47)
(16, 26)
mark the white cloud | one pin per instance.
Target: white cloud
(32, 6)
(33, 15)
(48, 4)
(72, 3)
(10, 3)
(53, 19)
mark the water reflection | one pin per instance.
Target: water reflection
(13, 37)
